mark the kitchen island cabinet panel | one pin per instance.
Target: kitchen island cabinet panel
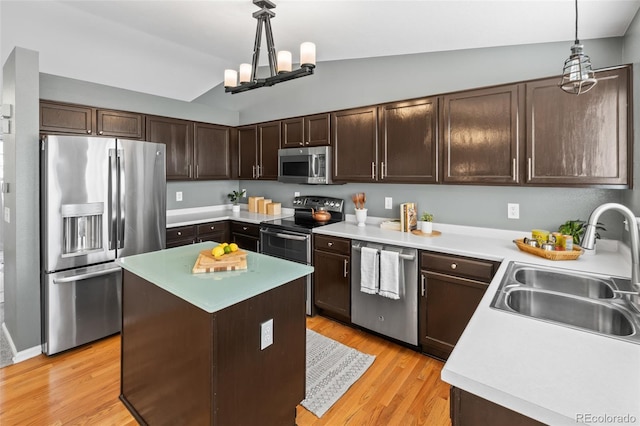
(409, 141)
(183, 365)
(580, 140)
(177, 135)
(355, 140)
(481, 136)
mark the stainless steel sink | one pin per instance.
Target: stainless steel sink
(576, 284)
(582, 313)
(590, 302)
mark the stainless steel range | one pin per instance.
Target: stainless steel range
(291, 238)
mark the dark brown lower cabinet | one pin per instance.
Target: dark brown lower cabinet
(331, 277)
(191, 234)
(468, 409)
(246, 235)
(450, 291)
(183, 365)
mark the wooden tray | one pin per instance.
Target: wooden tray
(549, 254)
(423, 234)
(229, 262)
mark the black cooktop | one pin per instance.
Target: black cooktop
(302, 221)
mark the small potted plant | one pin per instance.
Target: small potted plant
(577, 228)
(426, 223)
(234, 197)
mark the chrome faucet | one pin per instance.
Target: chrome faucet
(589, 240)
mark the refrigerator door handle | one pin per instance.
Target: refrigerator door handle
(121, 201)
(113, 200)
(86, 276)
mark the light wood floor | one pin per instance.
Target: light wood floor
(82, 386)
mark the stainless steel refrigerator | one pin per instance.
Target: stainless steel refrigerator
(101, 198)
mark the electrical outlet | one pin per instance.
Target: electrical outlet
(266, 334)
(388, 203)
(244, 193)
(513, 211)
(179, 196)
(296, 194)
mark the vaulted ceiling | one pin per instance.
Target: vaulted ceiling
(179, 49)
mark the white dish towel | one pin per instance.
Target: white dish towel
(368, 270)
(389, 274)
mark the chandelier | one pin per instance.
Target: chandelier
(577, 75)
(279, 66)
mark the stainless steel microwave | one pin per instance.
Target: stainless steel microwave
(305, 165)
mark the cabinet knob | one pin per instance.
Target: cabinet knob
(101, 132)
(454, 266)
(301, 143)
(213, 227)
(244, 228)
(179, 233)
(89, 131)
(330, 244)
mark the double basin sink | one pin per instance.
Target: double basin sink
(590, 302)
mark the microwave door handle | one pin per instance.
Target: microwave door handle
(314, 166)
(113, 200)
(121, 181)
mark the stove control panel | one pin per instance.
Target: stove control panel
(316, 202)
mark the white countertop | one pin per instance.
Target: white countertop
(545, 371)
(193, 216)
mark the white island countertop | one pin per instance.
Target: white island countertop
(551, 373)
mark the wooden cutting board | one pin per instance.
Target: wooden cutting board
(229, 262)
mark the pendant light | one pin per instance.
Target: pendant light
(279, 65)
(577, 75)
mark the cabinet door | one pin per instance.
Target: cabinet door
(120, 124)
(177, 135)
(481, 136)
(268, 145)
(293, 132)
(355, 141)
(409, 141)
(247, 152)
(212, 151)
(579, 140)
(331, 287)
(67, 119)
(446, 306)
(213, 231)
(317, 130)
(181, 236)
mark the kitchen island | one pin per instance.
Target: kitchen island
(191, 343)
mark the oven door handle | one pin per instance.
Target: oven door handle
(287, 236)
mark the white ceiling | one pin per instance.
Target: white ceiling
(179, 49)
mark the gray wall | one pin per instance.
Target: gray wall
(345, 84)
(199, 194)
(62, 89)
(481, 206)
(22, 234)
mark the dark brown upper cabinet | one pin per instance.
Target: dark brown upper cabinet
(409, 141)
(258, 151)
(481, 136)
(177, 135)
(313, 130)
(212, 151)
(580, 140)
(120, 124)
(355, 142)
(68, 119)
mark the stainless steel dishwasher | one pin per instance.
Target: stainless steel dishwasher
(397, 319)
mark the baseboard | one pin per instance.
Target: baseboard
(22, 355)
